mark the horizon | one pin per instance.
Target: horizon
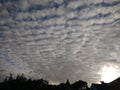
(56, 83)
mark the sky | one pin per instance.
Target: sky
(59, 39)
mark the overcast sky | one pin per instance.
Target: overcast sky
(59, 39)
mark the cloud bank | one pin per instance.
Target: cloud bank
(59, 40)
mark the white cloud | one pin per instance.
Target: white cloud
(70, 41)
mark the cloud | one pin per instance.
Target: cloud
(60, 39)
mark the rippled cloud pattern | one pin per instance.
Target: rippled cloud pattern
(59, 39)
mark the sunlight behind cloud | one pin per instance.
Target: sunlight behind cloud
(109, 73)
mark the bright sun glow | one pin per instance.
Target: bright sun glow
(109, 74)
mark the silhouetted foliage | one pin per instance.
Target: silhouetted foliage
(80, 85)
(22, 83)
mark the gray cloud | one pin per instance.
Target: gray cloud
(60, 39)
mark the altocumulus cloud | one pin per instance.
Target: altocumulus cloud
(59, 39)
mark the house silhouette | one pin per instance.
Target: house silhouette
(114, 85)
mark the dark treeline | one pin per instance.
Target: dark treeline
(22, 83)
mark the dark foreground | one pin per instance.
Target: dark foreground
(21, 83)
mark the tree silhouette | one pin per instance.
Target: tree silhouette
(80, 85)
(22, 83)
